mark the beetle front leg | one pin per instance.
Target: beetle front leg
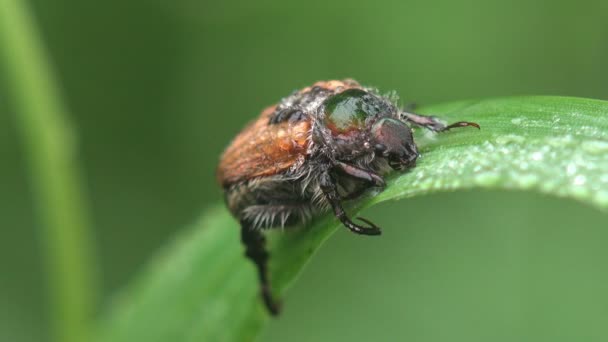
(330, 190)
(433, 123)
(370, 177)
(355, 172)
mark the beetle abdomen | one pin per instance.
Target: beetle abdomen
(270, 202)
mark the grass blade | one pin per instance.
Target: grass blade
(49, 145)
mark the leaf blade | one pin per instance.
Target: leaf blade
(553, 145)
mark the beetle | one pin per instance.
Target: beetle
(316, 148)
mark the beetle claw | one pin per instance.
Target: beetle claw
(371, 230)
(460, 124)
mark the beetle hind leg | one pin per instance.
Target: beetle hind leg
(254, 219)
(255, 249)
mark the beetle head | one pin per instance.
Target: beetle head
(393, 141)
(353, 113)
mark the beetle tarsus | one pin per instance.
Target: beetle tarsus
(460, 124)
(368, 222)
(432, 123)
(273, 306)
(255, 250)
(371, 230)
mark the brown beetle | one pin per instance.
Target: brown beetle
(318, 147)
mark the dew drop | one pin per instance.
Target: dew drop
(571, 169)
(537, 156)
(487, 178)
(510, 139)
(580, 180)
(560, 141)
(527, 180)
(518, 121)
(595, 146)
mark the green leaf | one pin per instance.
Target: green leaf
(201, 288)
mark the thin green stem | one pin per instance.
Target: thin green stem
(49, 144)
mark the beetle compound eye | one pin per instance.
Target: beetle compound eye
(349, 109)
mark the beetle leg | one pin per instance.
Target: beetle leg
(329, 188)
(433, 123)
(354, 194)
(358, 173)
(255, 249)
(371, 177)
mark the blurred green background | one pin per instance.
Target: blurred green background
(157, 89)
